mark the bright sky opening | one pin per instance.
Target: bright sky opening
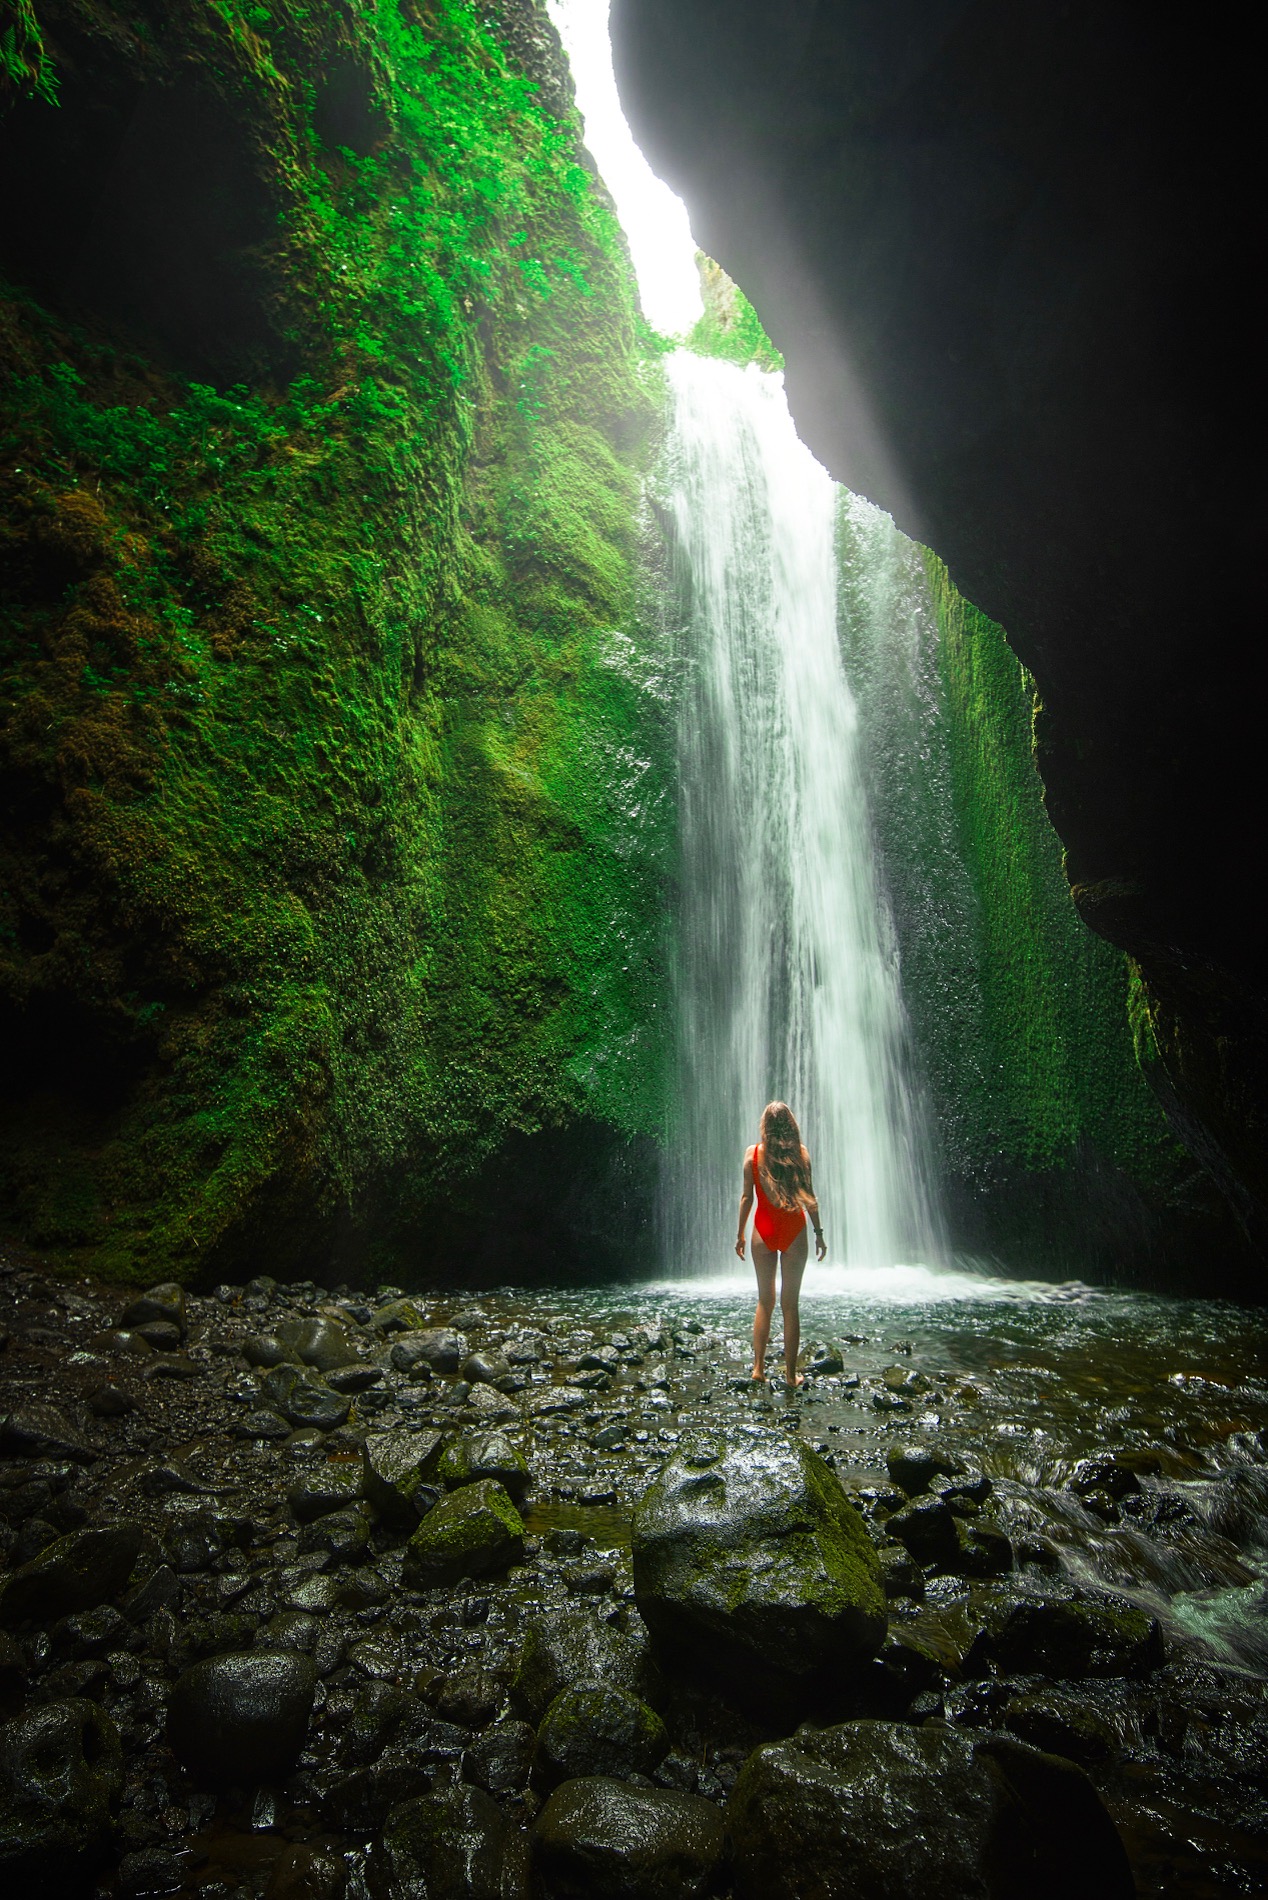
(655, 222)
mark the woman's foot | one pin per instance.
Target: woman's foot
(758, 1375)
(791, 1385)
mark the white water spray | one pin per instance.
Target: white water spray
(787, 977)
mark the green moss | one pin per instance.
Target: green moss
(471, 1531)
(1054, 1150)
(730, 327)
(328, 709)
(842, 1544)
(597, 1729)
(1059, 1062)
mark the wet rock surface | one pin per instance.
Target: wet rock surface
(602, 1838)
(888, 1809)
(1097, 1474)
(241, 1717)
(746, 1550)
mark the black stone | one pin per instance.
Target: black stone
(164, 1303)
(61, 1772)
(887, 1809)
(928, 1530)
(241, 1718)
(605, 1840)
(596, 1729)
(446, 1846)
(499, 1760)
(76, 1573)
(565, 1645)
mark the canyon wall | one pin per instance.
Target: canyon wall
(332, 743)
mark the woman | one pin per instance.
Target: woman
(777, 1171)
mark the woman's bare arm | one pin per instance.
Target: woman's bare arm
(811, 1206)
(746, 1203)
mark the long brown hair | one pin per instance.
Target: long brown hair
(785, 1172)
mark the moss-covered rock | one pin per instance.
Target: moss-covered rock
(747, 1552)
(1030, 1630)
(485, 1455)
(452, 1842)
(474, 1530)
(569, 1644)
(886, 1808)
(594, 1728)
(600, 1839)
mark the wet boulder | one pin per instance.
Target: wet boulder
(442, 1348)
(341, 1537)
(901, 1576)
(304, 1399)
(1112, 1475)
(333, 1486)
(395, 1470)
(485, 1455)
(360, 1801)
(1063, 1725)
(915, 1467)
(383, 1716)
(398, 1316)
(485, 1368)
(470, 1697)
(36, 1430)
(1032, 1630)
(321, 1343)
(984, 1550)
(61, 1772)
(927, 1529)
(450, 1843)
(747, 1551)
(410, 1356)
(564, 1645)
(243, 1717)
(307, 1873)
(501, 1759)
(919, 1813)
(472, 1531)
(596, 1729)
(164, 1303)
(600, 1839)
(76, 1572)
(266, 1350)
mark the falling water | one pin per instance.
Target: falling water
(787, 976)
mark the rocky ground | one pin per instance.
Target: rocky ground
(318, 1592)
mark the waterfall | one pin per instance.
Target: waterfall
(786, 971)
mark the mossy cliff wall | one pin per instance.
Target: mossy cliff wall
(1054, 1149)
(332, 750)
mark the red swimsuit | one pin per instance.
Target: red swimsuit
(777, 1226)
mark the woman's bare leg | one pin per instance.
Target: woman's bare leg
(764, 1266)
(791, 1267)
